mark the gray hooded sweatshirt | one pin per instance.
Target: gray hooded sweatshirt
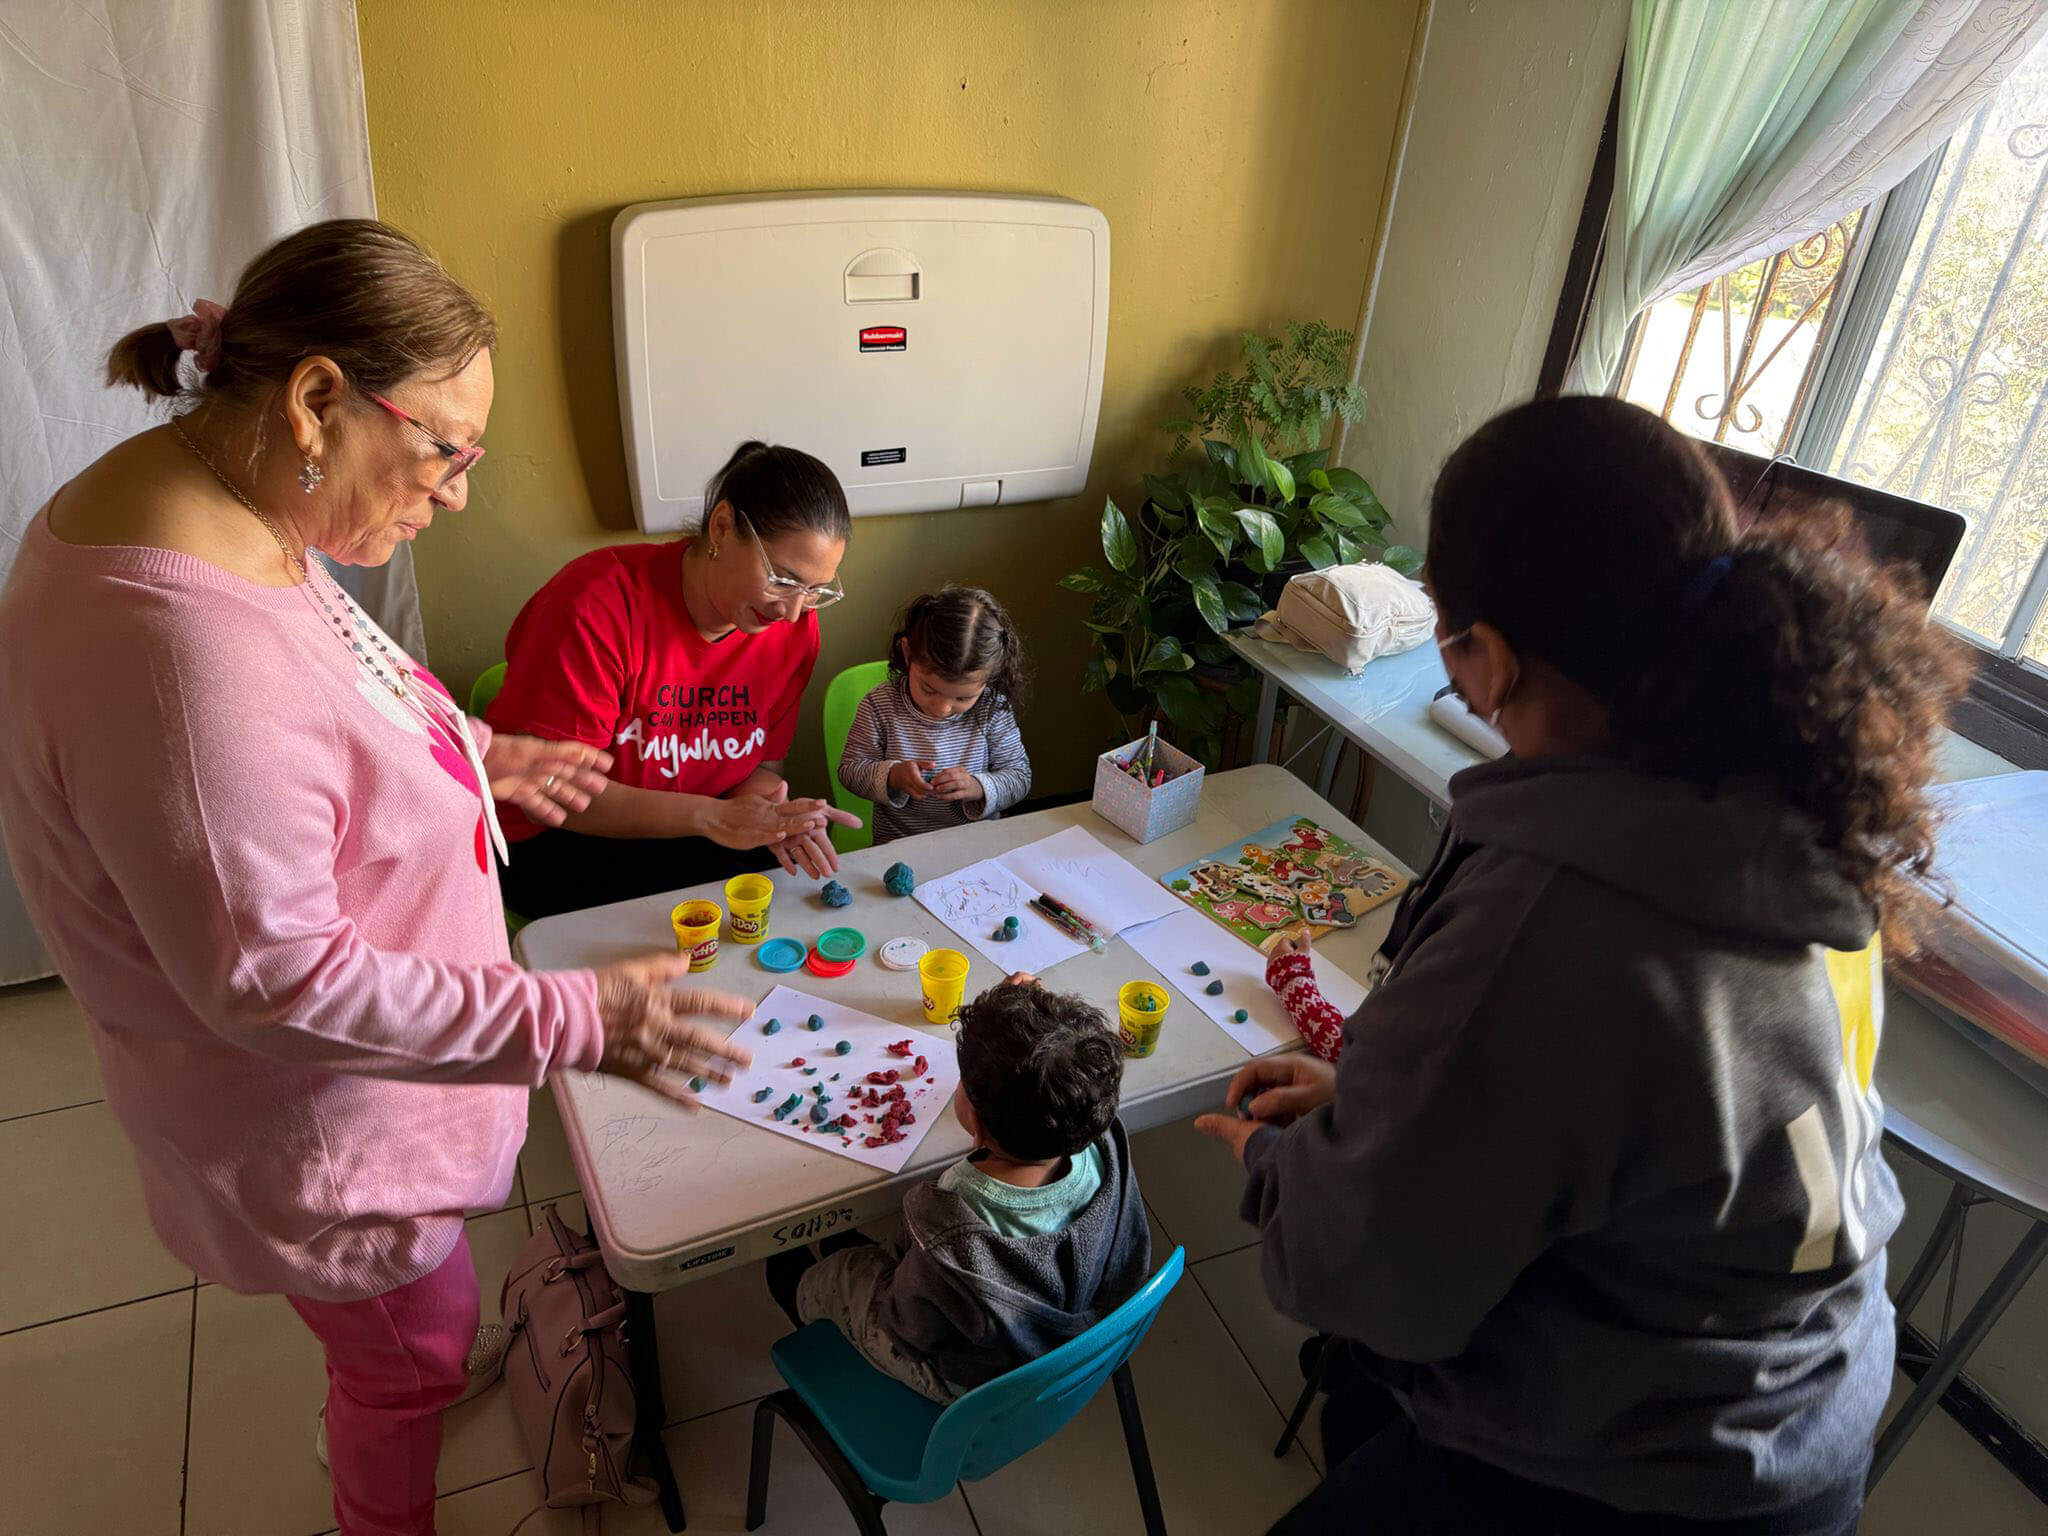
(974, 1303)
(1601, 1186)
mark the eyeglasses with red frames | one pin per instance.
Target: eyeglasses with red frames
(460, 460)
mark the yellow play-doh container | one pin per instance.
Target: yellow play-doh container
(1140, 1008)
(696, 925)
(746, 907)
(942, 979)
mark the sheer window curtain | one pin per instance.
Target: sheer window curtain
(1747, 127)
(153, 147)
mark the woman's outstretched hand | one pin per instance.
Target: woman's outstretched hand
(651, 1033)
(795, 831)
(1274, 1090)
(548, 780)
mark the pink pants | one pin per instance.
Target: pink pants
(393, 1363)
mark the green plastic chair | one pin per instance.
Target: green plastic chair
(842, 697)
(878, 1441)
(485, 689)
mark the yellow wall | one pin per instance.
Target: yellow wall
(1237, 148)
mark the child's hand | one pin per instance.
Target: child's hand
(908, 778)
(956, 784)
(1291, 941)
(1020, 979)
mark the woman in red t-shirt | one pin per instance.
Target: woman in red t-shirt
(686, 661)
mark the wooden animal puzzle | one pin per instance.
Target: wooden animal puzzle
(1291, 873)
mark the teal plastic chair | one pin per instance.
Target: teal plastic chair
(485, 689)
(879, 1441)
(842, 697)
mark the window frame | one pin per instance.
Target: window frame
(2006, 710)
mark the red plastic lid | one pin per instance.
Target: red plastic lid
(818, 965)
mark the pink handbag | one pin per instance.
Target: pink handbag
(566, 1368)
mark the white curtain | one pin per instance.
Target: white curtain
(1747, 127)
(152, 148)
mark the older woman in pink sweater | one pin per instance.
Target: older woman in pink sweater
(257, 837)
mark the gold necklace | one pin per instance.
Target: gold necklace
(291, 557)
(353, 625)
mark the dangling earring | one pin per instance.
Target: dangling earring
(310, 476)
(713, 551)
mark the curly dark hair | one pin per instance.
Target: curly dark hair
(1599, 539)
(958, 631)
(1042, 1070)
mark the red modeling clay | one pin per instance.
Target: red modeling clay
(796, 1061)
(900, 1047)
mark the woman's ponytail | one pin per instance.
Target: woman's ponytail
(1810, 664)
(147, 359)
(1597, 538)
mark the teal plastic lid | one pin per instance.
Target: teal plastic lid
(780, 954)
(842, 945)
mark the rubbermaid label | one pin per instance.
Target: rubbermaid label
(709, 1256)
(874, 456)
(884, 338)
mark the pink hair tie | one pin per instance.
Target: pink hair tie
(199, 334)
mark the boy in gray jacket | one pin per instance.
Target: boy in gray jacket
(1037, 1235)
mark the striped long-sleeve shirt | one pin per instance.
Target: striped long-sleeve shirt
(889, 729)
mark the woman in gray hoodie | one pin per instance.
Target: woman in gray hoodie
(1594, 1201)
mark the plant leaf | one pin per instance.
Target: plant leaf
(1319, 479)
(1095, 676)
(1241, 602)
(1209, 602)
(1211, 653)
(1265, 532)
(1306, 464)
(1197, 556)
(1222, 455)
(1335, 509)
(1221, 530)
(1166, 655)
(1126, 697)
(1243, 696)
(1166, 493)
(1317, 551)
(1349, 484)
(1088, 579)
(1403, 559)
(1119, 544)
(1350, 548)
(1253, 466)
(1280, 478)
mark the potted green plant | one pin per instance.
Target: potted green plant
(1221, 530)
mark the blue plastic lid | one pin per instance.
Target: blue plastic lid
(780, 954)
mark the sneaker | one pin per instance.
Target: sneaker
(486, 1363)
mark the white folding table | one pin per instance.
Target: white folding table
(705, 1192)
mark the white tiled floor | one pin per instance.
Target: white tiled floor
(134, 1400)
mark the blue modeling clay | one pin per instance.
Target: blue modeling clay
(814, 1023)
(836, 895)
(1214, 989)
(1240, 1016)
(762, 1096)
(696, 1085)
(771, 1026)
(1200, 967)
(899, 879)
(843, 1048)
(1001, 935)
(1010, 924)
(819, 1114)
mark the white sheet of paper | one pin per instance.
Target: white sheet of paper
(1173, 944)
(870, 1037)
(1104, 887)
(973, 903)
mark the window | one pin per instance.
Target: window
(1905, 349)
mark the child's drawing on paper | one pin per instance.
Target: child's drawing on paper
(1293, 872)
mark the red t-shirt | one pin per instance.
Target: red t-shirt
(606, 654)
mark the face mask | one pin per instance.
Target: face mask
(1515, 677)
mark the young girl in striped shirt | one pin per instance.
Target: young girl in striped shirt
(937, 744)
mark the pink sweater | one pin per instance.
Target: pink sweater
(266, 884)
